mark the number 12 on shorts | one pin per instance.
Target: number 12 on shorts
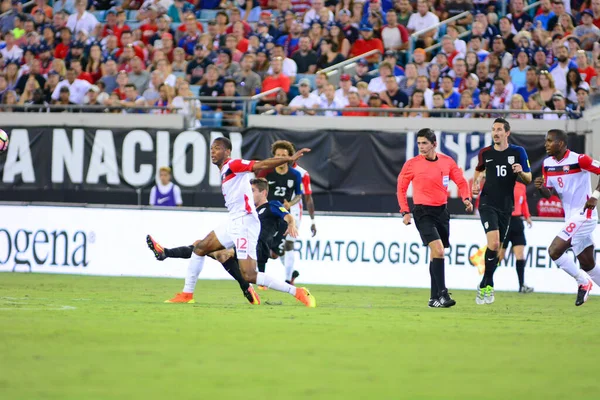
(241, 245)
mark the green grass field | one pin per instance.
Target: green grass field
(73, 337)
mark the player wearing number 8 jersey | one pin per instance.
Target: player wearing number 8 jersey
(502, 164)
(568, 174)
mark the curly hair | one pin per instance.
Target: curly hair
(283, 144)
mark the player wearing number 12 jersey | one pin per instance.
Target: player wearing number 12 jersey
(568, 174)
(502, 164)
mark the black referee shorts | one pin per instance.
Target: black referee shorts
(516, 232)
(433, 223)
(494, 219)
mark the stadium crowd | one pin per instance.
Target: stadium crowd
(114, 56)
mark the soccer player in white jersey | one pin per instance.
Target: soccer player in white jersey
(568, 174)
(243, 227)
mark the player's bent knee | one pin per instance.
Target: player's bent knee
(249, 275)
(199, 249)
(554, 252)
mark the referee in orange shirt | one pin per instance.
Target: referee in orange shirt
(430, 174)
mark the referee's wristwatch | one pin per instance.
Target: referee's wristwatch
(403, 213)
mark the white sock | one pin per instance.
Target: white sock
(194, 269)
(595, 274)
(288, 262)
(566, 263)
(263, 279)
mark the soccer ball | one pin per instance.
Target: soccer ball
(3, 141)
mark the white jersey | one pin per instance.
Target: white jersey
(235, 184)
(571, 179)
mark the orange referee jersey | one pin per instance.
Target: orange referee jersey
(430, 180)
(521, 206)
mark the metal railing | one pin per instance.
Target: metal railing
(344, 65)
(439, 44)
(79, 107)
(413, 37)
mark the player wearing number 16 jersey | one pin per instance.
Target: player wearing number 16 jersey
(502, 164)
(568, 174)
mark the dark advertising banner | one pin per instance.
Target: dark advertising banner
(351, 170)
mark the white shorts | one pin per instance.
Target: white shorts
(297, 214)
(241, 233)
(580, 231)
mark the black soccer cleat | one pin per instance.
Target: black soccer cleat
(295, 274)
(583, 292)
(156, 248)
(445, 300)
(434, 303)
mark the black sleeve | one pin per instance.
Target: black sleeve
(480, 160)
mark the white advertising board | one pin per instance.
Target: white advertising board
(371, 251)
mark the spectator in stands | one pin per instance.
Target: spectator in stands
(535, 103)
(276, 79)
(110, 76)
(305, 99)
(587, 71)
(558, 6)
(122, 81)
(471, 59)
(582, 103)
(392, 95)
(504, 73)
(560, 104)
(231, 44)
(261, 65)
(351, 31)
(11, 52)
(587, 32)
(439, 104)
(539, 59)
(305, 57)
(239, 35)
(330, 54)
(34, 72)
(518, 103)
(531, 85)
(190, 109)
(321, 81)
(31, 85)
(393, 34)
(190, 38)
(435, 77)
(225, 64)
(546, 88)
(197, 66)
(290, 69)
(499, 49)
(338, 37)
(408, 84)
(375, 102)
(138, 75)
(519, 19)
(82, 19)
(152, 94)
(417, 102)
(165, 193)
(544, 15)
(77, 87)
(419, 57)
(476, 45)
(331, 100)
(518, 74)
(574, 82)
(211, 86)
(93, 101)
(177, 9)
(378, 84)
(451, 97)
(248, 82)
(422, 19)
(164, 67)
(313, 13)
(485, 104)
(354, 101)
(367, 43)
(361, 72)
(79, 72)
(179, 63)
(345, 89)
(500, 96)
(404, 10)
(127, 41)
(459, 73)
(423, 86)
(315, 33)
(232, 110)
(441, 60)
(560, 68)
(466, 103)
(63, 98)
(391, 57)
(473, 87)
(236, 16)
(133, 100)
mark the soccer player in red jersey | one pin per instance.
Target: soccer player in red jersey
(430, 174)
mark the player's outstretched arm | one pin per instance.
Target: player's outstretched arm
(270, 163)
(291, 229)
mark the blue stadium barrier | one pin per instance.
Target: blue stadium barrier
(195, 89)
(311, 77)
(100, 15)
(179, 74)
(208, 14)
(132, 14)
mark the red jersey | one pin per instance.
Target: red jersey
(430, 180)
(521, 206)
(86, 76)
(61, 50)
(587, 74)
(550, 207)
(271, 82)
(115, 30)
(356, 113)
(361, 46)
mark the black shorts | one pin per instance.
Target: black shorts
(516, 233)
(494, 219)
(433, 223)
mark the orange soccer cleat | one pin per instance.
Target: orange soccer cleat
(156, 248)
(252, 296)
(303, 295)
(182, 298)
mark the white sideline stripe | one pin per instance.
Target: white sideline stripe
(61, 308)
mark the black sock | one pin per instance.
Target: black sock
(261, 267)
(233, 268)
(180, 252)
(434, 289)
(437, 266)
(521, 272)
(491, 262)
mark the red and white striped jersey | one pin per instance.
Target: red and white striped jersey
(571, 179)
(235, 184)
